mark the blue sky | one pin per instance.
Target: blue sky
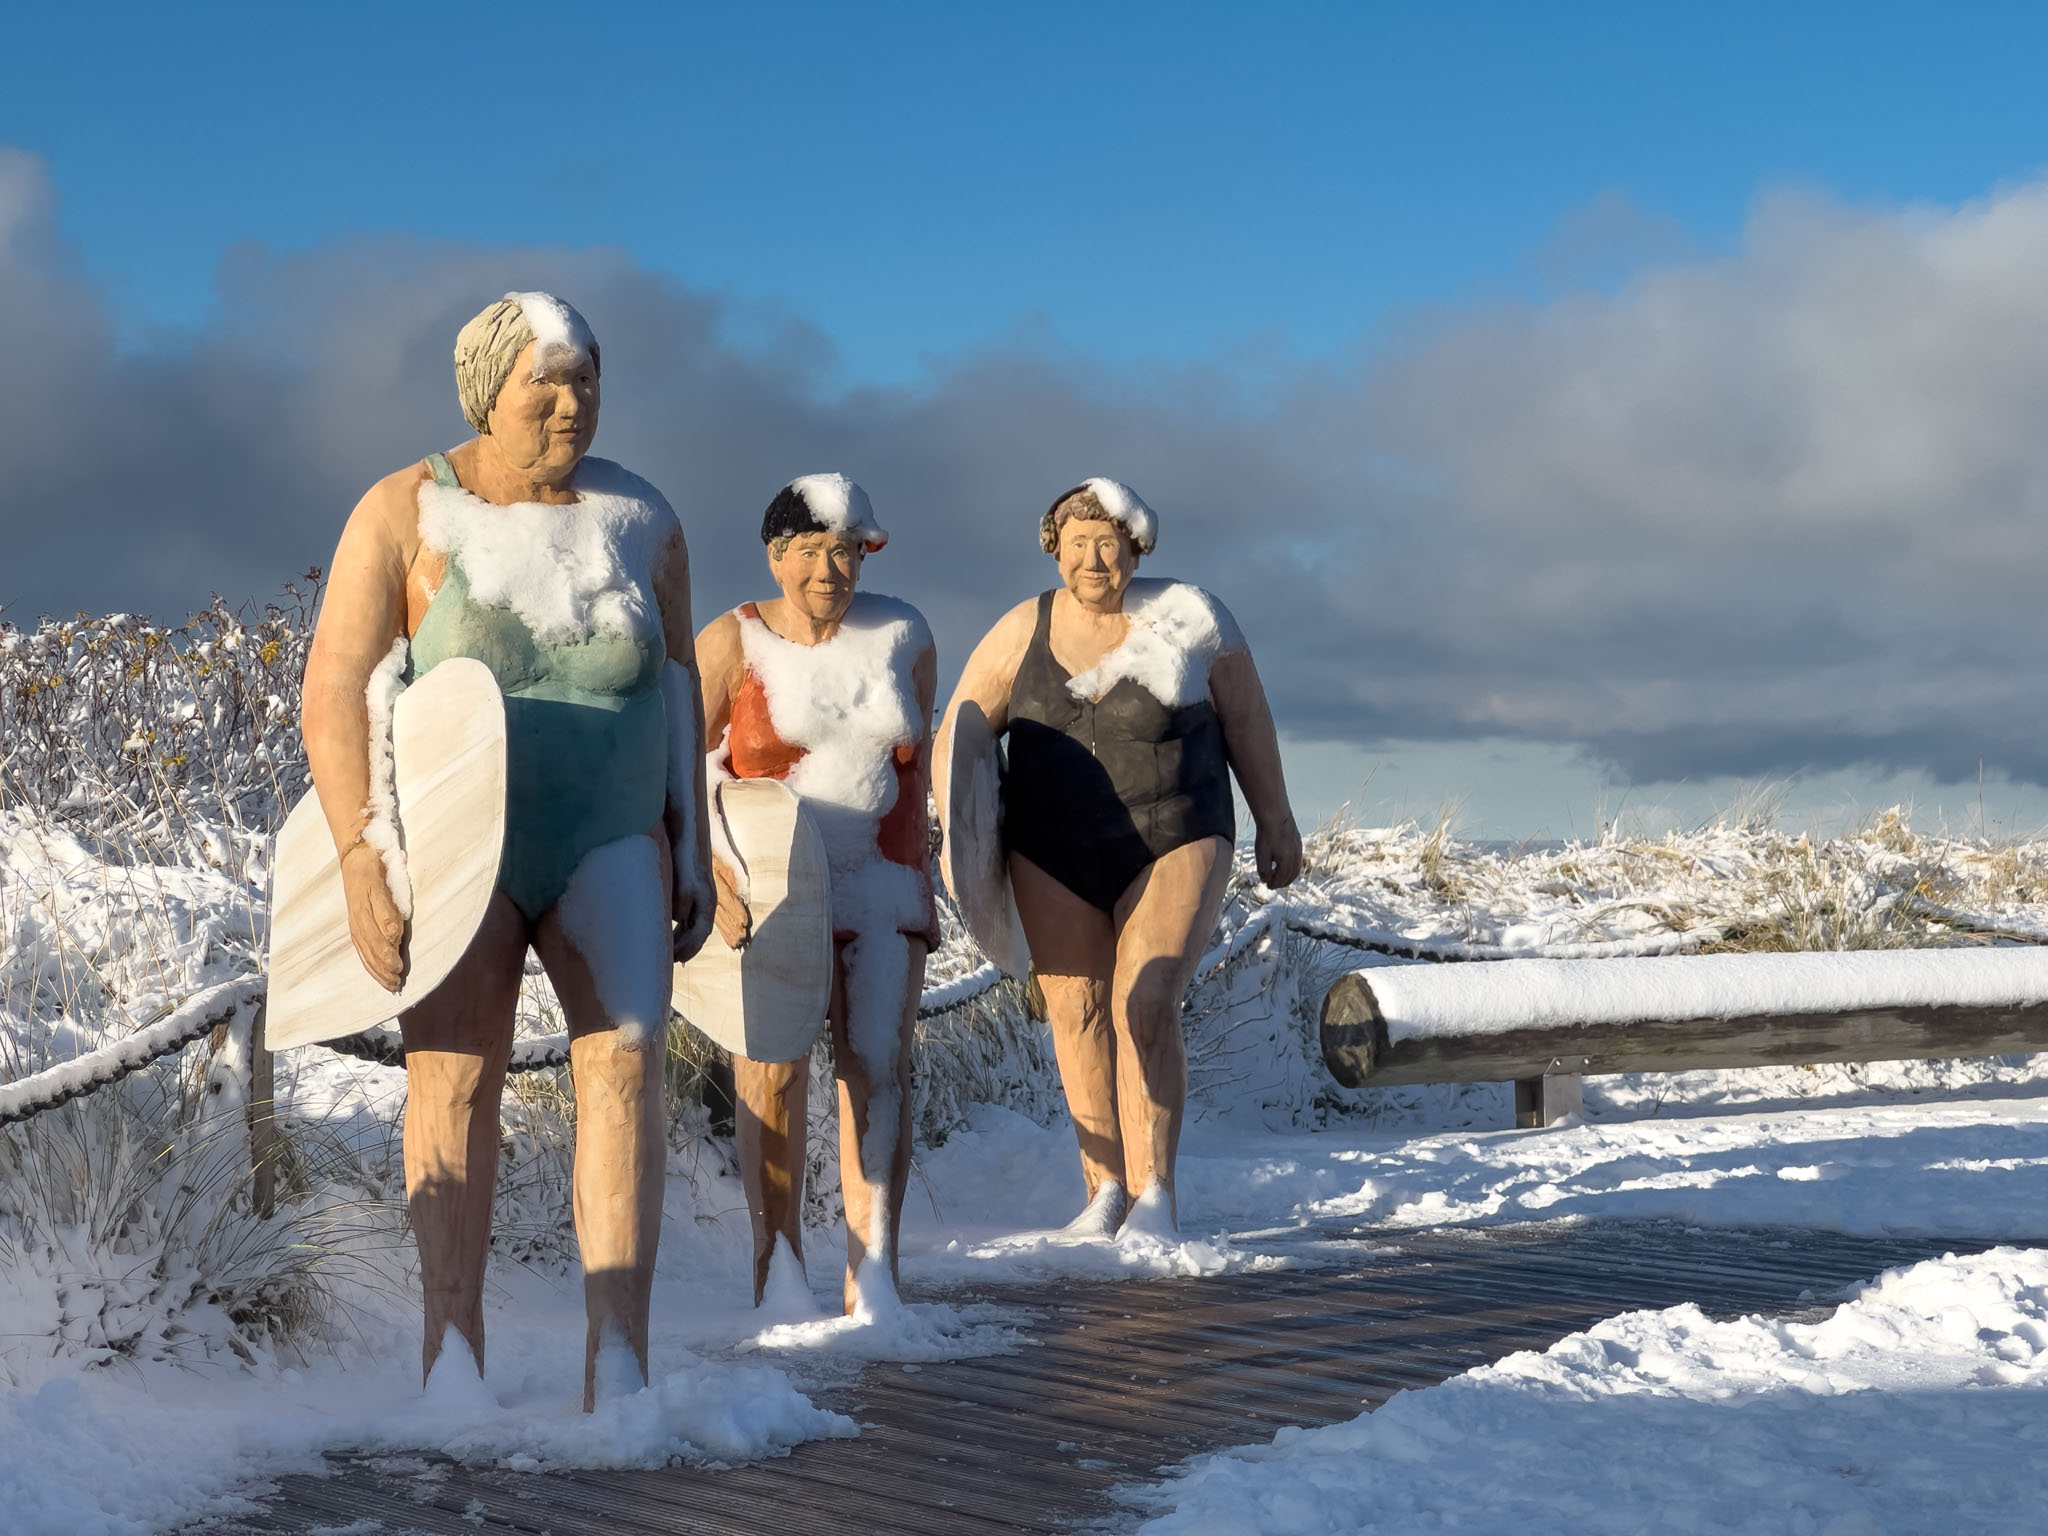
(1784, 255)
(1146, 180)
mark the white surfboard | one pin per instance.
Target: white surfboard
(766, 1000)
(972, 857)
(448, 766)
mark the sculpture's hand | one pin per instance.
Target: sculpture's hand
(685, 936)
(373, 920)
(1276, 851)
(735, 923)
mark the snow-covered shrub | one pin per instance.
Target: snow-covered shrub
(164, 743)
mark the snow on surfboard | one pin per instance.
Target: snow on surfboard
(766, 1000)
(448, 765)
(976, 869)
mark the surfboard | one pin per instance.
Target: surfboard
(972, 859)
(448, 767)
(767, 999)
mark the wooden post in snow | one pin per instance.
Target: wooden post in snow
(263, 1138)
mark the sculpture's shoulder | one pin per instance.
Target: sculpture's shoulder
(1190, 617)
(603, 480)
(388, 516)
(878, 611)
(1011, 634)
(720, 651)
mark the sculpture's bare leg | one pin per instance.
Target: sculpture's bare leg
(1163, 925)
(619, 1066)
(768, 1129)
(457, 1040)
(1073, 954)
(874, 1119)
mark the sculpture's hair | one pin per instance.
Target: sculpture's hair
(1131, 516)
(485, 350)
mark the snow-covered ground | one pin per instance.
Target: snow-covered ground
(161, 1345)
(145, 1444)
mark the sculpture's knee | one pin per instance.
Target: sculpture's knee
(613, 1067)
(453, 1089)
(1077, 1002)
(1150, 1019)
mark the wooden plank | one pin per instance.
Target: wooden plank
(1359, 1053)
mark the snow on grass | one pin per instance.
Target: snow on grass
(1918, 1406)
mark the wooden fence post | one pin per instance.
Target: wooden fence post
(262, 1118)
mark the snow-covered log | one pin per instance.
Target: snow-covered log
(1519, 1020)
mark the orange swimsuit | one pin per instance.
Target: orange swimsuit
(754, 751)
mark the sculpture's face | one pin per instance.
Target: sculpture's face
(816, 572)
(1096, 560)
(544, 425)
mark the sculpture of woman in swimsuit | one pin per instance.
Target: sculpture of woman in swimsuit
(569, 578)
(831, 691)
(1127, 702)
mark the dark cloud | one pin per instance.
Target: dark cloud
(1775, 510)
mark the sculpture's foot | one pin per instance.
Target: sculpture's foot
(455, 1387)
(871, 1293)
(786, 1295)
(1104, 1214)
(614, 1370)
(1152, 1215)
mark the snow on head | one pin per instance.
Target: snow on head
(1126, 508)
(561, 337)
(841, 506)
(1119, 504)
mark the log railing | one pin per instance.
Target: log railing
(1545, 1057)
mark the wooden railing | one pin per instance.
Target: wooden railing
(1546, 1054)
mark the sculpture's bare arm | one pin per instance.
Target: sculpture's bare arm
(1253, 746)
(365, 609)
(672, 597)
(986, 680)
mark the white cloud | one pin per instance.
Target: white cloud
(1777, 508)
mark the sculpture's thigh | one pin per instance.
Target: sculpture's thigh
(1164, 923)
(606, 942)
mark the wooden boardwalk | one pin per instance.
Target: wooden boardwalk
(1125, 1379)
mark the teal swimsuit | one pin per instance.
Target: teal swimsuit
(586, 734)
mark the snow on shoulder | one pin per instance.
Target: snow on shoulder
(849, 702)
(1496, 996)
(1177, 631)
(567, 570)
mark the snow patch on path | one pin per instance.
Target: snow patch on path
(1918, 1406)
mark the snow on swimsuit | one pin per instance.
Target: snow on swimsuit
(1097, 788)
(852, 709)
(569, 628)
